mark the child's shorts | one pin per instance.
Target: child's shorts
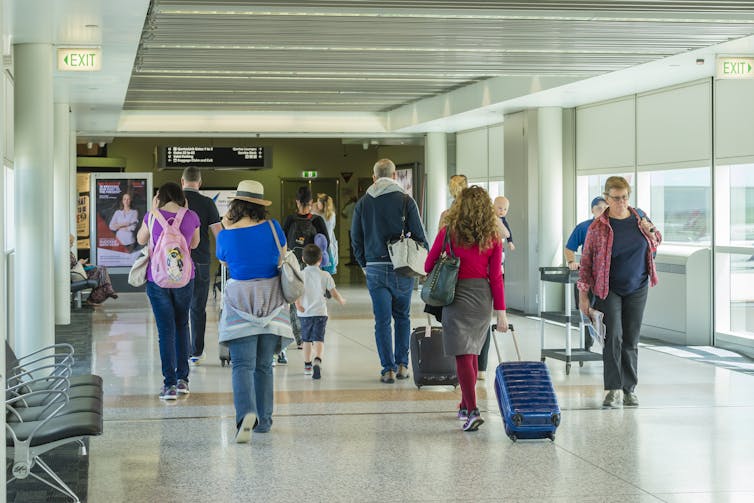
(313, 328)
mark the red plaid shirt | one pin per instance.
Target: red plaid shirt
(594, 267)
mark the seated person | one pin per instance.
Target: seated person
(104, 288)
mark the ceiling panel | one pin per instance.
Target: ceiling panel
(379, 55)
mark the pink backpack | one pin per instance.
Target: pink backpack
(170, 258)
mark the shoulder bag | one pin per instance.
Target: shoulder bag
(137, 276)
(406, 254)
(440, 287)
(291, 276)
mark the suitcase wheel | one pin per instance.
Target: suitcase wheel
(551, 436)
(513, 437)
(517, 419)
(555, 421)
(418, 386)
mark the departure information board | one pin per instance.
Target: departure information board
(173, 157)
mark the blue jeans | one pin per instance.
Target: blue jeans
(252, 377)
(199, 309)
(391, 297)
(171, 313)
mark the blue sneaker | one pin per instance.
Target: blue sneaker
(168, 393)
(182, 387)
(474, 421)
(463, 414)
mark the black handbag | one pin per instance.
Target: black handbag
(440, 287)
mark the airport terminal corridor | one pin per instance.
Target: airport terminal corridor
(349, 437)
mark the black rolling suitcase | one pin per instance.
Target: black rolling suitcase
(429, 365)
(223, 349)
(526, 396)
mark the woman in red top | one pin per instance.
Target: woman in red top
(475, 238)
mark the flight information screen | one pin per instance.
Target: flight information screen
(174, 157)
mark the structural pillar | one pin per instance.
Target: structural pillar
(550, 156)
(436, 169)
(62, 195)
(34, 293)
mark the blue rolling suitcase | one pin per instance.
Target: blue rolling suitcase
(525, 396)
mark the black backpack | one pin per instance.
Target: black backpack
(300, 234)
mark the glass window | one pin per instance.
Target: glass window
(10, 238)
(734, 287)
(590, 186)
(679, 201)
(741, 180)
(496, 188)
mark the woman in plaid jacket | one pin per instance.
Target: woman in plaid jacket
(617, 265)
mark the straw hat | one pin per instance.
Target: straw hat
(251, 191)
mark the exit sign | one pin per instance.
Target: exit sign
(735, 68)
(309, 174)
(80, 60)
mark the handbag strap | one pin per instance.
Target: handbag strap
(403, 218)
(277, 242)
(447, 243)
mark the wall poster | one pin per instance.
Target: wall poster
(119, 202)
(221, 197)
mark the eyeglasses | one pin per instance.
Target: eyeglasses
(618, 199)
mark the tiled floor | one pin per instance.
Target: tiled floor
(350, 438)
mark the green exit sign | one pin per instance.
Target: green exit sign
(735, 68)
(80, 59)
(309, 174)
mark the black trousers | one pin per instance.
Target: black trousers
(623, 315)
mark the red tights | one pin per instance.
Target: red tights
(467, 367)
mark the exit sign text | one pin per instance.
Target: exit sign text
(80, 60)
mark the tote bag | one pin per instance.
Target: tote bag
(406, 254)
(440, 287)
(291, 276)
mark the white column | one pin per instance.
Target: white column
(34, 323)
(3, 264)
(550, 155)
(62, 195)
(436, 169)
(550, 228)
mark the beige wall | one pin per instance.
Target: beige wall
(329, 157)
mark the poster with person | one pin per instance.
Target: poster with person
(119, 207)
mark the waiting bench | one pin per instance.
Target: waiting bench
(78, 286)
(47, 407)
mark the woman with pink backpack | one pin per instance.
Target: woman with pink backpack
(172, 231)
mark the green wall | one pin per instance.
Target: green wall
(329, 157)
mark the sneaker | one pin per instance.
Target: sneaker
(282, 359)
(243, 432)
(611, 399)
(402, 372)
(481, 375)
(388, 377)
(182, 387)
(474, 421)
(463, 414)
(630, 399)
(317, 369)
(307, 368)
(168, 393)
(274, 360)
(196, 360)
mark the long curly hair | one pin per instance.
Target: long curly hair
(471, 219)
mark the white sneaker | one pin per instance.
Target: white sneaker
(612, 399)
(481, 375)
(243, 433)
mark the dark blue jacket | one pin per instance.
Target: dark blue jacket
(377, 218)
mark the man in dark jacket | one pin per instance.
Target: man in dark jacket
(205, 207)
(378, 218)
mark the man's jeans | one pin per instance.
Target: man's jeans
(252, 377)
(171, 313)
(391, 297)
(623, 315)
(199, 308)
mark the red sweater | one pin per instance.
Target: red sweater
(474, 264)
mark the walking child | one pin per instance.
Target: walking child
(312, 309)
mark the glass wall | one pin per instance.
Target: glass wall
(9, 239)
(590, 186)
(734, 251)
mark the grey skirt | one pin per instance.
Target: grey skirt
(466, 322)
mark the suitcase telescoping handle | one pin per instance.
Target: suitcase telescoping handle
(497, 348)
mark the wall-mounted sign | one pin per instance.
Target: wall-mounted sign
(735, 68)
(80, 60)
(175, 157)
(309, 174)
